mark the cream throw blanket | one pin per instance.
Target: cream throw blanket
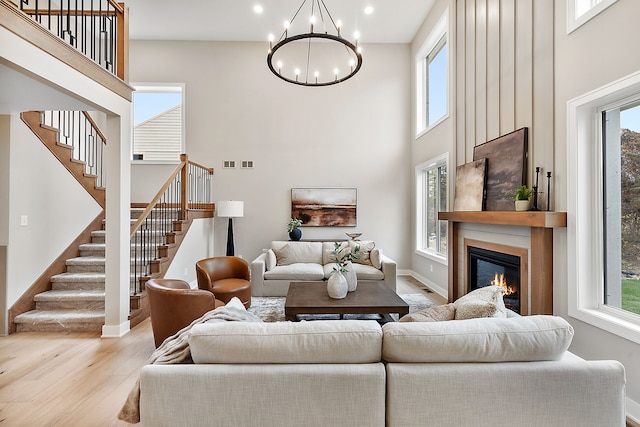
(175, 349)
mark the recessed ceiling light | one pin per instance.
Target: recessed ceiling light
(368, 10)
(257, 8)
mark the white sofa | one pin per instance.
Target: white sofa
(292, 261)
(482, 372)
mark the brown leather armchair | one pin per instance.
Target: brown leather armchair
(226, 277)
(174, 305)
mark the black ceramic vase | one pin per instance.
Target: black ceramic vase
(295, 234)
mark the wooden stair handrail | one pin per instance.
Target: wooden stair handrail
(157, 197)
(95, 127)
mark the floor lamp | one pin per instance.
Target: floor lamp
(230, 209)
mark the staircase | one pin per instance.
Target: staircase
(75, 302)
(72, 299)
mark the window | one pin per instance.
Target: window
(580, 12)
(158, 123)
(431, 78)
(603, 146)
(431, 198)
(621, 153)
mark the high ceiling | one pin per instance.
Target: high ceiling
(392, 21)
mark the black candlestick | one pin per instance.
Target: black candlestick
(535, 191)
(548, 190)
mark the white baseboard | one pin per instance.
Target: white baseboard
(433, 286)
(115, 331)
(633, 411)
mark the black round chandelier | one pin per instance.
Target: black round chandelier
(314, 58)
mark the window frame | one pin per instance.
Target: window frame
(160, 87)
(437, 39)
(585, 209)
(420, 171)
(573, 22)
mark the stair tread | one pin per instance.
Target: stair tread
(84, 260)
(79, 277)
(57, 316)
(76, 295)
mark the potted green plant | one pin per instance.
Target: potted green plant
(523, 196)
(294, 232)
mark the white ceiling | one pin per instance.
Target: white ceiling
(392, 21)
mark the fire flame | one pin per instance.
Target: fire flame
(501, 281)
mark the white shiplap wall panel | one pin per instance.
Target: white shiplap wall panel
(507, 61)
(469, 63)
(481, 71)
(542, 152)
(493, 69)
(504, 81)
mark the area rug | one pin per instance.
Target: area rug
(271, 309)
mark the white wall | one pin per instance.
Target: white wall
(599, 52)
(354, 134)
(38, 185)
(197, 244)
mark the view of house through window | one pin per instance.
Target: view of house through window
(621, 145)
(158, 131)
(432, 198)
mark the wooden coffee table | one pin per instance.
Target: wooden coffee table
(368, 298)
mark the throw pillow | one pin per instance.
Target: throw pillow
(284, 255)
(270, 260)
(376, 258)
(438, 313)
(475, 308)
(366, 246)
(492, 294)
(329, 258)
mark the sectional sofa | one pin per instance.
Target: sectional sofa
(294, 261)
(493, 372)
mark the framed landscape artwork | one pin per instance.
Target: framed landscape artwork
(325, 207)
(470, 186)
(506, 168)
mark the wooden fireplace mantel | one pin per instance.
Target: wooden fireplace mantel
(541, 223)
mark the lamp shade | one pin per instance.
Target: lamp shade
(230, 209)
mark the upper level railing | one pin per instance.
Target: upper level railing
(187, 188)
(97, 28)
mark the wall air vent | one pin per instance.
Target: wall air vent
(247, 164)
(229, 164)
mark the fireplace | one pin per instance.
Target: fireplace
(492, 264)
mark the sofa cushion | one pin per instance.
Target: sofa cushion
(376, 258)
(270, 260)
(437, 313)
(363, 272)
(527, 338)
(320, 341)
(298, 271)
(295, 252)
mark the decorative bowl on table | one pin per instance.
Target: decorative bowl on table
(354, 236)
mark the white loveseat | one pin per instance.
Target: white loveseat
(497, 372)
(293, 261)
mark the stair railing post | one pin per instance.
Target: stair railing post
(184, 190)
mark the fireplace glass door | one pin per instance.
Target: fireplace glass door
(488, 268)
